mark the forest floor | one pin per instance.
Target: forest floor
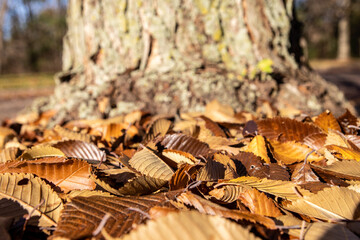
(18, 92)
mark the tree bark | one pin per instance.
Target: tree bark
(344, 32)
(169, 56)
(3, 9)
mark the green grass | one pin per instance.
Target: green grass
(24, 81)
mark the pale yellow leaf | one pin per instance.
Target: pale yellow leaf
(257, 146)
(146, 162)
(33, 194)
(337, 203)
(284, 189)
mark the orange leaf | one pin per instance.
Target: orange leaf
(68, 174)
(327, 121)
(259, 203)
(285, 129)
(344, 153)
(257, 146)
(292, 152)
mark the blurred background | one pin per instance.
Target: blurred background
(31, 34)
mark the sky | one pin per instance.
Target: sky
(17, 7)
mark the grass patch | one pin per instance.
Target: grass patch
(23, 81)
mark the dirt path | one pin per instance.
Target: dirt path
(347, 77)
(13, 101)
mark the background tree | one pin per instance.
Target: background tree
(34, 36)
(332, 31)
(3, 8)
(166, 56)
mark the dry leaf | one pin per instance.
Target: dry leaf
(82, 215)
(194, 226)
(335, 203)
(285, 129)
(149, 164)
(67, 174)
(284, 189)
(40, 152)
(205, 206)
(346, 120)
(33, 194)
(327, 121)
(292, 152)
(79, 149)
(185, 143)
(259, 203)
(257, 146)
(303, 174)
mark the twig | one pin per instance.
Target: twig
(302, 230)
(353, 126)
(28, 216)
(101, 224)
(288, 227)
(297, 192)
(140, 211)
(307, 155)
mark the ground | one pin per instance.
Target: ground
(16, 95)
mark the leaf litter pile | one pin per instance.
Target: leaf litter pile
(211, 175)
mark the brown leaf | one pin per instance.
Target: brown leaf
(179, 157)
(285, 129)
(205, 206)
(259, 203)
(315, 141)
(213, 127)
(185, 143)
(6, 134)
(79, 149)
(348, 119)
(158, 128)
(303, 174)
(212, 170)
(82, 215)
(183, 176)
(227, 194)
(68, 174)
(326, 121)
(72, 135)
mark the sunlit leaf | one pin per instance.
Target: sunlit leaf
(284, 189)
(194, 226)
(33, 194)
(82, 215)
(257, 146)
(208, 207)
(146, 162)
(327, 121)
(79, 149)
(67, 174)
(336, 203)
(285, 129)
(40, 152)
(259, 203)
(185, 143)
(292, 152)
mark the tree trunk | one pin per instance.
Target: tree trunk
(166, 56)
(3, 8)
(344, 32)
